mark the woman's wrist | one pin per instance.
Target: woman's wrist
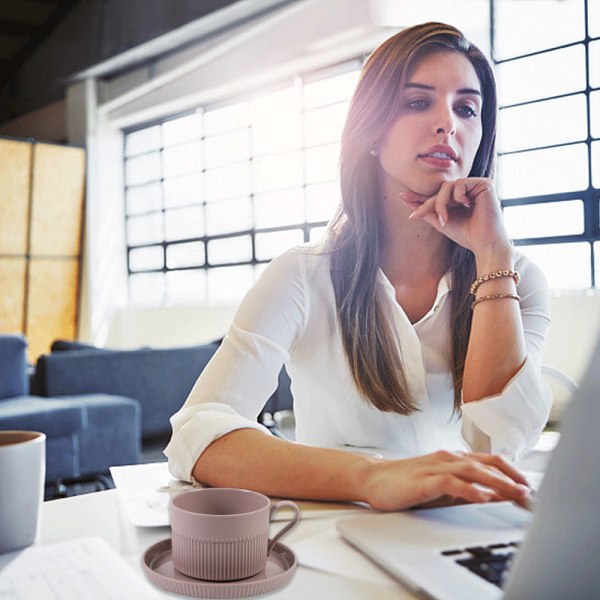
(498, 257)
(367, 473)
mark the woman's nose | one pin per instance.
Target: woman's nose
(445, 122)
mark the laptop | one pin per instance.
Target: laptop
(498, 550)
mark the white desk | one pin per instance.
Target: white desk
(101, 515)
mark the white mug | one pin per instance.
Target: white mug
(22, 475)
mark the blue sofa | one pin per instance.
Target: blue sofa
(86, 434)
(160, 379)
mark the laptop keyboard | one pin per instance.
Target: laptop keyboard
(490, 562)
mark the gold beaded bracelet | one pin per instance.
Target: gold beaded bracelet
(495, 275)
(495, 297)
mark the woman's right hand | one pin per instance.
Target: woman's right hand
(470, 477)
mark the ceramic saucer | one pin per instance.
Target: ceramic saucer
(157, 563)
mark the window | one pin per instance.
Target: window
(213, 195)
(549, 124)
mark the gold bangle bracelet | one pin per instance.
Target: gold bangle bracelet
(495, 275)
(495, 297)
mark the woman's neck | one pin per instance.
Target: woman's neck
(411, 252)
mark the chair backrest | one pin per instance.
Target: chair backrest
(13, 366)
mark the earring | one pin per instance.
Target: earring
(373, 152)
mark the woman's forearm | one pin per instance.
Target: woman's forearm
(250, 459)
(497, 344)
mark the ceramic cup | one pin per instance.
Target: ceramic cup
(222, 534)
(22, 474)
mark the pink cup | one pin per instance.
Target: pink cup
(222, 534)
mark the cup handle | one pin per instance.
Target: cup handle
(295, 519)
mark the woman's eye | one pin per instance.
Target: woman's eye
(417, 104)
(466, 111)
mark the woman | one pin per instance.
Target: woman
(404, 330)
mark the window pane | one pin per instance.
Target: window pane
(526, 126)
(322, 163)
(330, 90)
(186, 286)
(322, 201)
(143, 140)
(285, 207)
(228, 182)
(227, 148)
(180, 160)
(324, 125)
(544, 220)
(595, 113)
(596, 164)
(594, 18)
(538, 172)
(595, 64)
(145, 229)
(527, 78)
(230, 250)
(269, 245)
(185, 255)
(142, 169)
(229, 284)
(143, 259)
(566, 266)
(181, 223)
(184, 129)
(147, 288)
(276, 124)
(228, 117)
(182, 191)
(556, 23)
(277, 172)
(316, 234)
(226, 216)
(144, 198)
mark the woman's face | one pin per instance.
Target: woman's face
(438, 131)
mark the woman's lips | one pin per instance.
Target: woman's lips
(436, 161)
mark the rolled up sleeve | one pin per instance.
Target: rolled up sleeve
(511, 422)
(243, 373)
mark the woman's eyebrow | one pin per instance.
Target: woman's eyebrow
(423, 86)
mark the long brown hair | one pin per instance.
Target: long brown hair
(368, 339)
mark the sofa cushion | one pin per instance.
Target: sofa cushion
(13, 366)
(50, 416)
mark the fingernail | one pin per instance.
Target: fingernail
(441, 220)
(411, 216)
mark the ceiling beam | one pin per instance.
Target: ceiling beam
(17, 28)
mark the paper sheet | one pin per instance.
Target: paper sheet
(80, 569)
(327, 551)
(145, 491)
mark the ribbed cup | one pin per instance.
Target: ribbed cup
(221, 534)
(219, 560)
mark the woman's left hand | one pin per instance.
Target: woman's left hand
(465, 210)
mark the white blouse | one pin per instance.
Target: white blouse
(289, 317)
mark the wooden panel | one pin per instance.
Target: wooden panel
(52, 302)
(15, 171)
(58, 187)
(12, 284)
